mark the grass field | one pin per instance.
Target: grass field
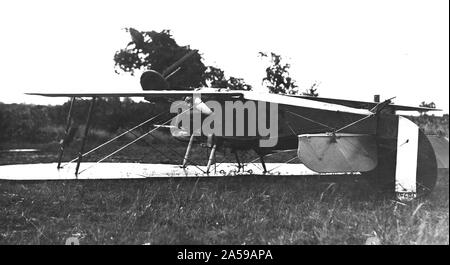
(234, 210)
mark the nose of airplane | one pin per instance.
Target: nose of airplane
(152, 80)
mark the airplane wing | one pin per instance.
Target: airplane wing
(297, 100)
(154, 93)
(218, 94)
(363, 104)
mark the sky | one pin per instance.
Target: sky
(354, 49)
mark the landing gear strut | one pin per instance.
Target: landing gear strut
(261, 158)
(240, 165)
(188, 151)
(212, 156)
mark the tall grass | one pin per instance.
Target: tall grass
(237, 210)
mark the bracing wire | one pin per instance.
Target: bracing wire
(130, 143)
(353, 123)
(283, 163)
(116, 137)
(311, 120)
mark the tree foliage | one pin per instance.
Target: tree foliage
(238, 84)
(158, 50)
(277, 77)
(426, 105)
(312, 91)
(431, 124)
(216, 78)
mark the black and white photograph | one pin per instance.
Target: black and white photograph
(224, 129)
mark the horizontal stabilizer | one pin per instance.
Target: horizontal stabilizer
(335, 153)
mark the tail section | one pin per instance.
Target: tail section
(406, 157)
(399, 153)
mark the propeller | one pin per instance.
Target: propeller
(152, 80)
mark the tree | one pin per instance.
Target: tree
(426, 105)
(215, 77)
(277, 75)
(238, 84)
(158, 50)
(312, 91)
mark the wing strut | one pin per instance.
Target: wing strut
(236, 155)
(188, 151)
(66, 133)
(212, 157)
(86, 131)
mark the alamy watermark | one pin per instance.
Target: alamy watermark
(229, 118)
